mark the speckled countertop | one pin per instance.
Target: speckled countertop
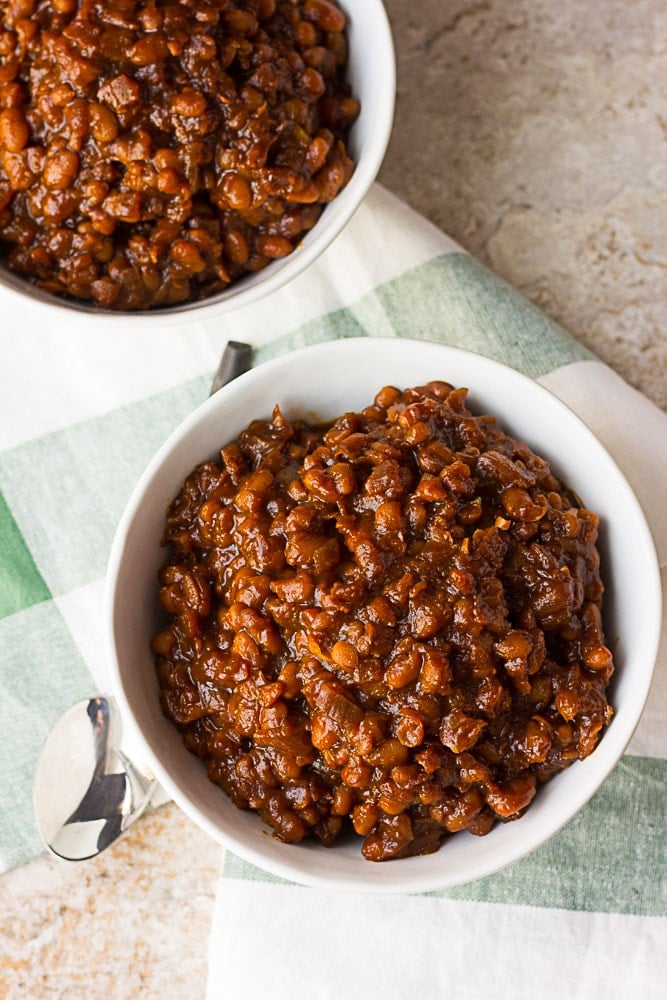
(535, 134)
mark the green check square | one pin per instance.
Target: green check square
(21, 583)
(42, 673)
(67, 489)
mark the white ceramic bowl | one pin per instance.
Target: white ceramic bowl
(371, 73)
(327, 380)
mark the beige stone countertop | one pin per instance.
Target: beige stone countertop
(535, 134)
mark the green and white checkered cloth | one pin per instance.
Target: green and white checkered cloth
(84, 409)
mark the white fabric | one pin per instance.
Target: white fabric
(286, 942)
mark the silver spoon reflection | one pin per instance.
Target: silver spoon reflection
(86, 791)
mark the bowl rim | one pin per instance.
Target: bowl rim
(615, 740)
(271, 278)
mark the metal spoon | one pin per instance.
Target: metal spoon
(86, 790)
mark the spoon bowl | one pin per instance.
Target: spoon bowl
(86, 791)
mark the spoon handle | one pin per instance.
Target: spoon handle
(235, 361)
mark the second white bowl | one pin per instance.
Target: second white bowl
(325, 381)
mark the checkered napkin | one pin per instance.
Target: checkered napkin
(83, 409)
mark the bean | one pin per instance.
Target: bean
(61, 169)
(10, 70)
(305, 34)
(410, 728)
(187, 256)
(19, 174)
(345, 656)
(168, 181)
(14, 130)
(435, 675)
(7, 42)
(188, 104)
(274, 246)
(242, 21)
(364, 818)
(103, 122)
(389, 754)
(148, 50)
(326, 16)
(123, 206)
(22, 8)
(518, 505)
(320, 58)
(62, 95)
(236, 247)
(511, 797)
(236, 191)
(343, 801)
(459, 731)
(312, 83)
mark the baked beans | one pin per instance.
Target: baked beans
(152, 152)
(390, 623)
